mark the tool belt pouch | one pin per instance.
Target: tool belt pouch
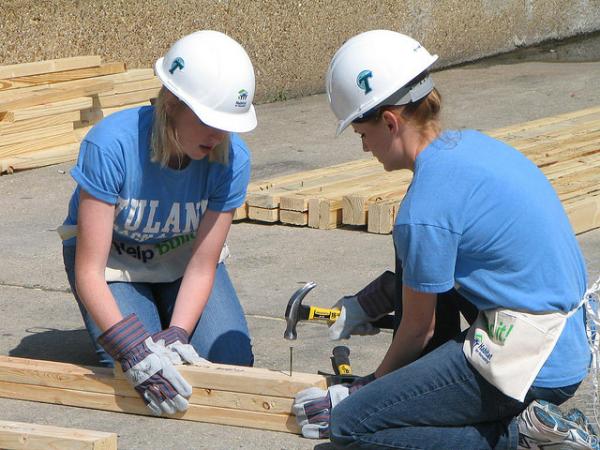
(161, 262)
(508, 348)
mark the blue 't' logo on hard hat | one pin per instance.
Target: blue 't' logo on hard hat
(362, 80)
(177, 63)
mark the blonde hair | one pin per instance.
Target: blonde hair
(164, 143)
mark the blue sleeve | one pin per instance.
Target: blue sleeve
(99, 172)
(428, 255)
(229, 188)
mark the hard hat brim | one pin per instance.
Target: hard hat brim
(231, 122)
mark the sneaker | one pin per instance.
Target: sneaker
(543, 426)
(575, 415)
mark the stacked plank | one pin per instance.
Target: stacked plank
(222, 394)
(360, 193)
(27, 436)
(46, 107)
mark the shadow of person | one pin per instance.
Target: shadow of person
(50, 344)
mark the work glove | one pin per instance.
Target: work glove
(352, 320)
(176, 339)
(144, 364)
(312, 407)
(369, 304)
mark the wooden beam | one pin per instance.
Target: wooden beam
(38, 122)
(32, 135)
(62, 76)
(266, 193)
(130, 405)
(230, 395)
(48, 109)
(263, 214)
(293, 217)
(584, 213)
(28, 436)
(39, 158)
(113, 100)
(79, 88)
(51, 65)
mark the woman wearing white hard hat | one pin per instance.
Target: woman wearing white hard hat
(144, 239)
(480, 225)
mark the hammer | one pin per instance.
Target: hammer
(296, 311)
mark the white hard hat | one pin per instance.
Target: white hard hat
(371, 69)
(213, 75)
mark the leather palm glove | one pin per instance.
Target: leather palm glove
(153, 376)
(312, 407)
(358, 311)
(177, 340)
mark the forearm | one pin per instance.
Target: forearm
(415, 330)
(193, 294)
(406, 347)
(95, 295)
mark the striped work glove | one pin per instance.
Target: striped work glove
(177, 340)
(312, 407)
(153, 376)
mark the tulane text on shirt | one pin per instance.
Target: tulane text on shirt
(143, 219)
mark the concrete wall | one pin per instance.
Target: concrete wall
(289, 41)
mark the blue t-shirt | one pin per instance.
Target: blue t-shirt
(153, 203)
(481, 217)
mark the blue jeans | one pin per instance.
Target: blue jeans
(220, 336)
(437, 402)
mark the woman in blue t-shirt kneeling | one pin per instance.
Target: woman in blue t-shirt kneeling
(144, 240)
(480, 230)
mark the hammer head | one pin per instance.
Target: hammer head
(293, 309)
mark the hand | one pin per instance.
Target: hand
(177, 340)
(352, 320)
(154, 378)
(312, 407)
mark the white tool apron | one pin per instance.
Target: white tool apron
(161, 262)
(508, 348)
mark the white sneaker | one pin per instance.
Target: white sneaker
(543, 426)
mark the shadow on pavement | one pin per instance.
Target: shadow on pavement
(69, 346)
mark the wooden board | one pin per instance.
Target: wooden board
(52, 65)
(231, 395)
(39, 158)
(82, 88)
(38, 123)
(29, 436)
(62, 76)
(566, 147)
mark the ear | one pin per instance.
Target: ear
(392, 121)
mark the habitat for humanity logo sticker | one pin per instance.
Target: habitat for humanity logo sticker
(177, 64)
(242, 98)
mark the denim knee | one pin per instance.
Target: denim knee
(341, 423)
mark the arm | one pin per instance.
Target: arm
(94, 237)
(200, 272)
(415, 330)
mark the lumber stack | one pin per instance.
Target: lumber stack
(222, 394)
(46, 107)
(28, 436)
(360, 193)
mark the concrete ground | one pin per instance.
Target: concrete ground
(40, 318)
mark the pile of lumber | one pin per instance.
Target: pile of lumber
(360, 193)
(28, 436)
(46, 107)
(222, 394)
